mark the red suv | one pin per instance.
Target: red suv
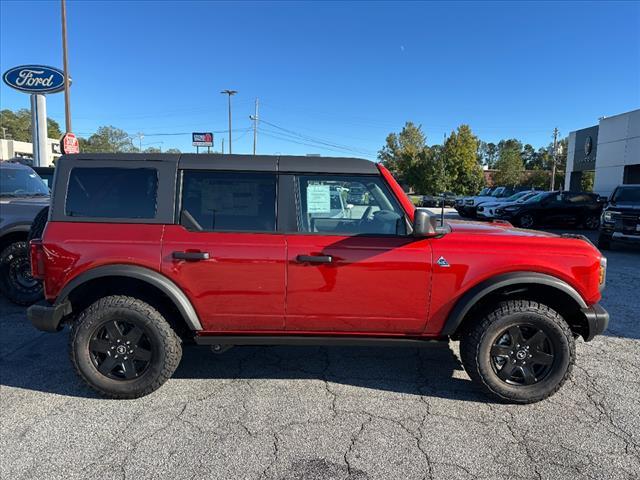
(142, 253)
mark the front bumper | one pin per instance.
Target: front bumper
(47, 317)
(597, 320)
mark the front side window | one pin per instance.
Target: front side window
(229, 201)
(348, 205)
(112, 193)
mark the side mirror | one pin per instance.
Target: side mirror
(424, 225)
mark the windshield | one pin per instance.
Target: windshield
(497, 192)
(528, 196)
(20, 182)
(484, 191)
(537, 197)
(627, 195)
(516, 196)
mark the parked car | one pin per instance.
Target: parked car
(466, 207)
(486, 210)
(559, 209)
(22, 196)
(620, 219)
(437, 200)
(137, 262)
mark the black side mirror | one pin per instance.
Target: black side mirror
(424, 225)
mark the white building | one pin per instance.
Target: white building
(12, 148)
(610, 149)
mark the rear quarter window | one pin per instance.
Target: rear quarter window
(112, 193)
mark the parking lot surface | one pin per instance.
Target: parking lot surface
(324, 413)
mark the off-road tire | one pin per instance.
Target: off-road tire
(16, 282)
(604, 242)
(38, 224)
(165, 346)
(477, 340)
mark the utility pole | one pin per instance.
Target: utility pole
(555, 158)
(223, 145)
(65, 66)
(254, 117)
(230, 93)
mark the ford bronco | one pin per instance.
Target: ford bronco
(145, 252)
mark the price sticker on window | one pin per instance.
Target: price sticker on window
(318, 198)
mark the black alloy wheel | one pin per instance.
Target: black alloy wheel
(120, 350)
(526, 220)
(592, 222)
(522, 355)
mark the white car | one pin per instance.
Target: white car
(487, 210)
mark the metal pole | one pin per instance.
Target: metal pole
(255, 128)
(555, 150)
(39, 130)
(229, 93)
(65, 66)
(223, 145)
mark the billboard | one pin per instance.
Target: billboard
(202, 139)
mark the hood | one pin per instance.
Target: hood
(623, 206)
(26, 201)
(495, 228)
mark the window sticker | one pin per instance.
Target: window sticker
(318, 198)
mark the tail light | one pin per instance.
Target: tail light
(36, 252)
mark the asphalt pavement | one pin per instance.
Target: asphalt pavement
(324, 413)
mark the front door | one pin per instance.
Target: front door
(226, 254)
(352, 267)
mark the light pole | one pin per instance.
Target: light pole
(65, 66)
(229, 93)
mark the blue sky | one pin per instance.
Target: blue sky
(343, 74)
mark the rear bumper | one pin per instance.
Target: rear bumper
(597, 320)
(47, 317)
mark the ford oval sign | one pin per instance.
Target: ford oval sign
(35, 79)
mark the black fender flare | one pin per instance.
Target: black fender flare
(152, 277)
(476, 293)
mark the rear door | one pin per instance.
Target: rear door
(226, 253)
(351, 267)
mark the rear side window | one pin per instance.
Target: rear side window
(112, 193)
(230, 201)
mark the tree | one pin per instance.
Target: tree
(152, 150)
(460, 157)
(108, 139)
(488, 154)
(509, 165)
(173, 150)
(17, 125)
(402, 151)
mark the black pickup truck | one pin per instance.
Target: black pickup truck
(621, 217)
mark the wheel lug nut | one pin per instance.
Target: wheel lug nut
(128, 342)
(126, 358)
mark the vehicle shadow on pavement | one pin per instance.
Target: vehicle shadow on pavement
(42, 364)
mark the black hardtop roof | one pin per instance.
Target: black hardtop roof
(258, 163)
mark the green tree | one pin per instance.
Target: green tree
(152, 150)
(402, 152)
(460, 157)
(509, 165)
(173, 150)
(17, 125)
(108, 139)
(488, 154)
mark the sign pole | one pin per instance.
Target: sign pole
(65, 67)
(39, 130)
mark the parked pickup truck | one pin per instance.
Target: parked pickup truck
(143, 252)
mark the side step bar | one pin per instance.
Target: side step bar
(311, 340)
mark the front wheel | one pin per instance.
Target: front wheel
(526, 221)
(592, 222)
(123, 347)
(521, 352)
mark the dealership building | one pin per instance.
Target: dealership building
(10, 149)
(611, 150)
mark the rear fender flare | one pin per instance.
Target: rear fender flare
(156, 279)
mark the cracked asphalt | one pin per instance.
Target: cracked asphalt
(324, 413)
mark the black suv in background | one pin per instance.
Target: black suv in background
(621, 217)
(555, 209)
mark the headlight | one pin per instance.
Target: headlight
(511, 209)
(468, 202)
(608, 216)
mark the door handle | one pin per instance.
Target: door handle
(191, 256)
(314, 259)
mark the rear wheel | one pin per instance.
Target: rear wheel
(123, 347)
(521, 352)
(592, 222)
(16, 282)
(526, 221)
(604, 241)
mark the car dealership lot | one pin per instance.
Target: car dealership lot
(301, 412)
